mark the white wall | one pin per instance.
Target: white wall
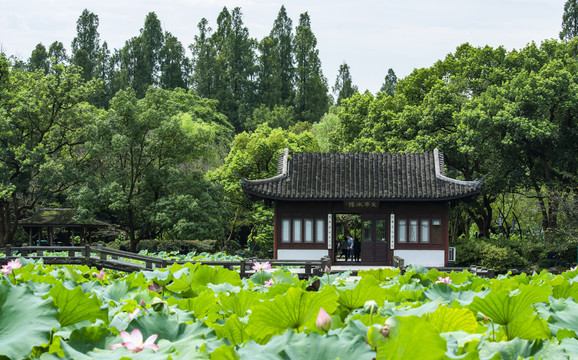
(290, 254)
(422, 257)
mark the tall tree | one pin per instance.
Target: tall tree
(57, 54)
(173, 64)
(86, 44)
(282, 35)
(39, 59)
(344, 88)
(204, 59)
(241, 68)
(389, 83)
(311, 99)
(269, 79)
(569, 21)
(147, 50)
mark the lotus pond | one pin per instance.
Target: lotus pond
(202, 312)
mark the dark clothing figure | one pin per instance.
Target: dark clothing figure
(349, 248)
(344, 246)
(357, 250)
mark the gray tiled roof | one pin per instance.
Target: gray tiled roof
(356, 176)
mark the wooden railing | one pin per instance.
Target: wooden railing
(102, 257)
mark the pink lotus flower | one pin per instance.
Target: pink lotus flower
(133, 342)
(133, 314)
(269, 283)
(445, 280)
(156, 287)
(573, 268)
(101, 275)
(260, 267)
(11, 265)
(327, 269)
(324, 321)
(14, 264)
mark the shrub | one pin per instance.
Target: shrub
(150, 246)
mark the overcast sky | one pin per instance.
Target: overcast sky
(371, 36)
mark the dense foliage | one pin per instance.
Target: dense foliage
(153, 141)
(197, 311)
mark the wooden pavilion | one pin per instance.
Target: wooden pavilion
(401, 199)
(40, 226)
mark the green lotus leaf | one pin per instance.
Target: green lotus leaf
(529, 327)
(294, 310)
(522, 349)
(381, 274)
(26, 320)
(560, 314)
(76, 306)
(225, 352)
(417, 309)
(259, 278)
(198, 276)
(503, 306)
(214, 275)
(445, 292)
(201, 306)
(225, 287)
(411, 337)
(88, 338)
(308, 346)
(565, 289)
(116, 291)
(160, 276)
(570, 346)
(233, 330)
(411, 291)
(367, 289)
(239, 303)
(445, 319)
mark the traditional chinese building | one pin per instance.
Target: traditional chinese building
(401, 201)
(40, 226)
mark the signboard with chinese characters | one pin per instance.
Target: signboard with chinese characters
(361, 204)
(392, 231)
(329, 231)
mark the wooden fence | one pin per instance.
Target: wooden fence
(101, 257)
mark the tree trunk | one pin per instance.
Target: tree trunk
(8, 223)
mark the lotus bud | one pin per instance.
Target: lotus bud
(385, 331)
(327, 269)
(324, 321)
(158, 304)
(370, 307)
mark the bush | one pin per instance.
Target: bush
(496, 255)
(150, 246)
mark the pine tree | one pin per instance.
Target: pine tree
(39, 59)
(283, 36)
(85, 46)
(389, 83)
(311, 100)
(204, 59)
(344, 88)
(173, 64)
(569, 21)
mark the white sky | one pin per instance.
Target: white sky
(369, 35)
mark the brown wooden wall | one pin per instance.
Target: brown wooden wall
(369, 209)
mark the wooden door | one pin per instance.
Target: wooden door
(374, 244)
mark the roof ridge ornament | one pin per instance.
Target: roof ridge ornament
(284, 168)
(440, 175)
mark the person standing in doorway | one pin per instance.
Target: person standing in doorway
(357, 249)
(349, 247)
